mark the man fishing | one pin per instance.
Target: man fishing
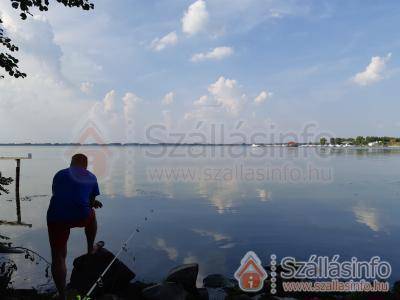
(74, 196)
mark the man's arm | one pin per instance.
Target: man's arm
(54, 184)
(95, 203)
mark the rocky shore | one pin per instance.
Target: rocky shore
(179, 284)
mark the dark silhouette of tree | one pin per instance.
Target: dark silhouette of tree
(7, 61)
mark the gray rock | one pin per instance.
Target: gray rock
(202, 294)
(186, 275)
(166, 290)
(88, 268)
(216, 294)
(218, 281)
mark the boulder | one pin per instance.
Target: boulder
(202, 294)
(88, 268)
(134, 290)
(166, 290)
(185, 275)
(216, 294)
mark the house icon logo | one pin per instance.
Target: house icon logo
(99, 156)
(251, 274)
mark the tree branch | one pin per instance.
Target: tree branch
(9, 62)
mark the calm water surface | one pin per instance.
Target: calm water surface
(212, 204)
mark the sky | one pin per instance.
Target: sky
(140, 71)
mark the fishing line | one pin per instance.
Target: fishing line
(123, 248)
(27, 251)
(30, 254)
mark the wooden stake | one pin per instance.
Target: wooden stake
(17, 199)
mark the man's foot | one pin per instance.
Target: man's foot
(96, 247)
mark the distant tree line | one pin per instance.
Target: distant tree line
(361, 140)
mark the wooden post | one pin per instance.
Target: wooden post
(17, 184)
(17, 199)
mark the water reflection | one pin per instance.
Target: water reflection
(17, 198)
(19, 221)
(214, 221)
(171, 252)
(368, 216)
(264, 195)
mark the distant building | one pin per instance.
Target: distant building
(292, 144)
(372, 144)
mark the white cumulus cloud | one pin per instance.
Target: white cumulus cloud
(159, 44)
(217, 53)
(227, 93)
(168, 98)
(262, 97)
(167, 116)
(195, 18)
(44, 97)
(130, 101)
(373, 72)
(109, 101)
(86, 87)
(116, 115)
(224, 97)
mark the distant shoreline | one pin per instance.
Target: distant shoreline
(194, 144)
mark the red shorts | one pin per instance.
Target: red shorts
(59, 231)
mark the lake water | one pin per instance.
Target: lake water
(213, 204)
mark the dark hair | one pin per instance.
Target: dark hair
(79, 160)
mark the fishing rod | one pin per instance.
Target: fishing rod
(123, 248)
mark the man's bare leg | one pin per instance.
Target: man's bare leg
(90, 232)
(59, 270)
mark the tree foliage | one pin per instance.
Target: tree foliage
(4, 181)
(25, 7)
(363, 141)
